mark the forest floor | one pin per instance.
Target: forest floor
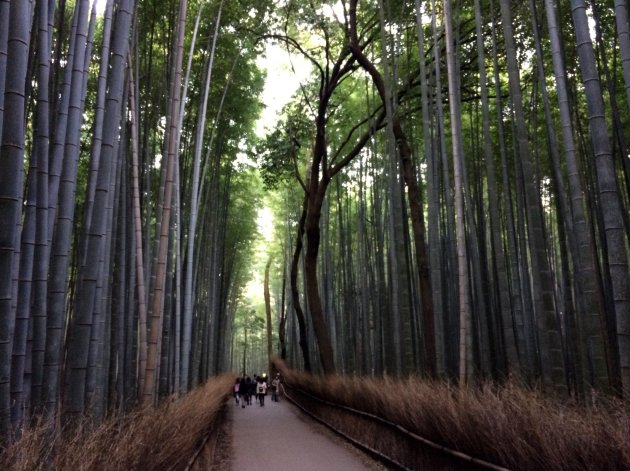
(279, 437)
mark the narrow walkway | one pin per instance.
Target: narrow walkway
(277, 437)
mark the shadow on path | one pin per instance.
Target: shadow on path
(277, 437)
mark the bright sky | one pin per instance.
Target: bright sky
(100, 6)
(284, 73)
(254, 289)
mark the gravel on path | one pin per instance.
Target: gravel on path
(277, 437)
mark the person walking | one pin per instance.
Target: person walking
(275, 385)
(251, 390)
(235, 390)
(254, 388)
(243, 389)
(261, 390)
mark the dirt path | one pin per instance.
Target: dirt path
(277, 437)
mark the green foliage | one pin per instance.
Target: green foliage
(281, 153)
(245, 196)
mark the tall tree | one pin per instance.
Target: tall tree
(157, 309)
(497, 253)
(550, 361)
(623, 33)
(88, 302)
(414, 194)
(194, 202)
(465, 347)
(11, 183)
(590, 299)
(41, 151)
(62, 190)
(4, 38)
(609, 199)
(295, 294)
(31, 314)
(322, 168)
(267, 296)
(137, 228)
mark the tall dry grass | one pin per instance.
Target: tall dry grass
(506, 425)
(162, 438)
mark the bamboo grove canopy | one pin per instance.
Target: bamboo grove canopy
(449, 189)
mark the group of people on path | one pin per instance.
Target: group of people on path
(246, 387)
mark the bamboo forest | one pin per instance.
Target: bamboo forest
(443, 192)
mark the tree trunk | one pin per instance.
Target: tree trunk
(42, 250)
(4, 38)
(498, 266)
(64, 161)
(194, 203)
(88, 302)
(295, 295)
(312, 231)
(447, 334)
(465, 347)
(137, 227)
(34, 256)
(154, 342)
(610, 201)
(550, 361)
(282, 325)
(414, 196)
(268, 317)
(590, 301)
(623, 34)
(11, 187)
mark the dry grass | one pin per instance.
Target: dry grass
(505, 425)
(162, 438)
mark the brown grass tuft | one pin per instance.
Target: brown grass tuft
(162, 438)
(506, 425)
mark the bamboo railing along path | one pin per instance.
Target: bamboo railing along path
(415, 424)
(394, 445)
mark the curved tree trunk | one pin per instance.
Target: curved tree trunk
(312, 231)
(317, 185)
(413, 193)
(295, 295)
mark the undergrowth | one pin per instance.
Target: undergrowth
(507, 425)
(503, 424)
(161, 438)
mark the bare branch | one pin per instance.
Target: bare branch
(289, 41)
